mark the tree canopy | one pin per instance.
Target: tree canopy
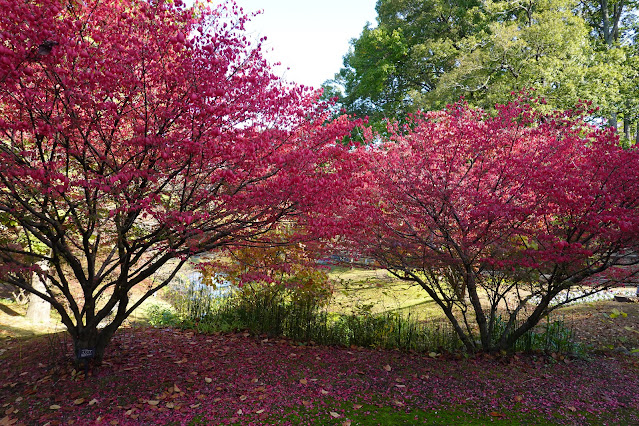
(496, 216)
(133, 133)
(425, 54)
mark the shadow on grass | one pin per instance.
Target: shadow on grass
(7, 310)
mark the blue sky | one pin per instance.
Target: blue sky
(308, 37)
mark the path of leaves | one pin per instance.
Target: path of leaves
(159, 376)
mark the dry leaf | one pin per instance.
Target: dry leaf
(496, 414)
(400, 386)
(170, 405)
(433, 354)
(518, 398)
(571, 408)
(260, 411)
(240, 412)
(306, 403)
(78, 401)
(346, 423)
(208, 379)
(194, 405)
(54, 407)
(93, 401)
(243, 398)
(324, 392)
(176, 389)
(334, 414)
(357, 406)
(153, 402)
(387, 367)
(303, 382)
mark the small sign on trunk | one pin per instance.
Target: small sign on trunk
(86, 353)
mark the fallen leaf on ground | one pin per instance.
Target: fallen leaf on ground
(334, 414)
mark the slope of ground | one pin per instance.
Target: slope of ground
(167, 376)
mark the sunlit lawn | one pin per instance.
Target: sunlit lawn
(360, 290)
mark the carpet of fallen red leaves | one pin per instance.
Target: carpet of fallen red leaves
(168, 376)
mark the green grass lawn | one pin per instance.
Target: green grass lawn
(376, 291)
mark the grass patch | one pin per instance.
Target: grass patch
(385, 414)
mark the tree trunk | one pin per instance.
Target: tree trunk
(90, 342)
(626, 127)
(39, 310)
(613, 120)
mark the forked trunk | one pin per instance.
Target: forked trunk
(90, 342)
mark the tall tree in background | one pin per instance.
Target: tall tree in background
(413, 45)
(424, 54)
(133, 133)
(613, 26)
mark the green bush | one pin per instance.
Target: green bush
(161, 316)
(273, 311)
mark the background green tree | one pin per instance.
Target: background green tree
(424, 54)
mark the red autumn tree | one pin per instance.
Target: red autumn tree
(135, 132)
(494, 216)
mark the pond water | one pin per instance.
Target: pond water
(191, 282)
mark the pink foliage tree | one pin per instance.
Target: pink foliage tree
(133, 133)
(494, 216)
